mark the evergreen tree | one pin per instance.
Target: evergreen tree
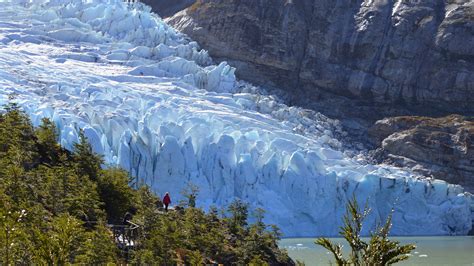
(115, 192)
(53, 208)
(48, 147)
(239, 214)
(98, 248)
(16, 131)
(88, 162)
(12, 233)
(190, 192)
(62, 242)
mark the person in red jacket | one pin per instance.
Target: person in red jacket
(166, 200)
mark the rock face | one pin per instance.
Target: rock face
(440, 147)
(166, 8)
(382, 51)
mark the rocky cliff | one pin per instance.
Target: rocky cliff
(166, 8)
(403, 52)
(438, 147)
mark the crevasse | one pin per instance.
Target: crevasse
(152, 102)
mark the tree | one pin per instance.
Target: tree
(47, 139)
(190, 192)
(98, 248)
(378, 251)
(239, 214)
(115, 192)
(53, 207)
(12, 233)
(88, 162)
(62, 242)
(62, 190)
(17, 137)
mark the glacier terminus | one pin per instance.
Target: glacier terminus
(151, 101)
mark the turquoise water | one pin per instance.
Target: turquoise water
(430, 250)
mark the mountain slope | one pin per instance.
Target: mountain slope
(152, 102)
(166, 8)
(414, 53)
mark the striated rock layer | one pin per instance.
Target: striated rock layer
(381, 51)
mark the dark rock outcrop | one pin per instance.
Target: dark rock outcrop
(400, 52)
(438, 147)
(166, 8)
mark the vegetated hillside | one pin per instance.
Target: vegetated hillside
(398, 52)
(56, 207)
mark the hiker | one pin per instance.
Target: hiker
(167, 200)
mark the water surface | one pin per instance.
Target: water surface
(445, 250)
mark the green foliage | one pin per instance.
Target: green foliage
(54, 206)
(12, 233)
(115, 192)
(257, 261)
(62, 190)
(46, 203)
(47, 144)
(98, 248)
(193, 236)
(190, 193)
(62, 241)
(195, 258)
(17, 138)
(378, 251)
(239, 214)
(88, 162)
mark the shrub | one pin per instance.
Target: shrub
(378, 251)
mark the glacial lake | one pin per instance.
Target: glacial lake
(445, 250)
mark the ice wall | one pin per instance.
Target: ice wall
(152, 102)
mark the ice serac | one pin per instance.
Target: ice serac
(152, 102)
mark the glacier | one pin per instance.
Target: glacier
(151, 101)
